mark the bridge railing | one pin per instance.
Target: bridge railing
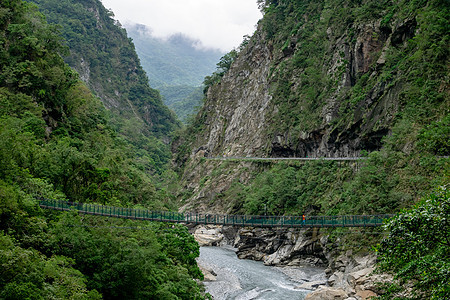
(234, 220)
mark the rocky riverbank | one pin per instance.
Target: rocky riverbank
(347, 275)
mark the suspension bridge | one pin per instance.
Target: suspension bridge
(248, 158)
(212, 219)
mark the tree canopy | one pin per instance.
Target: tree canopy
(57, 141)
(417, 249)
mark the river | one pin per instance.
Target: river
(247, 279)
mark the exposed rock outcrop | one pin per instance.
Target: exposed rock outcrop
(281, 246)
(208, 235)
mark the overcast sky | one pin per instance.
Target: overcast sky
(216, 23)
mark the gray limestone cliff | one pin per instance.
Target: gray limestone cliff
(338, 102)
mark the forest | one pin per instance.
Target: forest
(57, 141)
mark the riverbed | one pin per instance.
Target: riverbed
(242, 279)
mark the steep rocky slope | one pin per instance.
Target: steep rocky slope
(106, 60)
(326, 79)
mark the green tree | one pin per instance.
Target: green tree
(223, 66)
(27, 274)
(417, 250)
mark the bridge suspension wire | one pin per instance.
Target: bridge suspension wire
(211, 219)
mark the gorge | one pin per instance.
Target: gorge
(318, 80)
(79, 123)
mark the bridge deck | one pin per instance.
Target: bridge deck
(231, 220)
(351, 159)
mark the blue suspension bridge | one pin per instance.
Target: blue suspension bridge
(213, 219)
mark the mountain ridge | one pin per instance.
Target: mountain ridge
(98, 45)
(175, 66)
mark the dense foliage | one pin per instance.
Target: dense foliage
(417, 250)
(56, 141)
(46, 255)
(107, 62)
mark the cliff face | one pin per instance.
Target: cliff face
(241, 110)
(317, 79)
(105, 58)
(237, 109)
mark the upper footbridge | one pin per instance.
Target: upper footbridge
(248, 158)
(213, 219)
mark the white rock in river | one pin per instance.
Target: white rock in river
(208, 235)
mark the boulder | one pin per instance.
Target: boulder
(371, 283)
(208, 274)
(359, 277)
(366, 294)
(327, 293)
(208, 235)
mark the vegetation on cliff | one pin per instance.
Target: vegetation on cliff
(346, 78)
(56, 141)
(409, 52)
(107, 61)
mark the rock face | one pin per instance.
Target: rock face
(239, 109)
(208, 235)
(246, 116)
(281, 247)
(236, 108)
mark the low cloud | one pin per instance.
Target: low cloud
(218, 24)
